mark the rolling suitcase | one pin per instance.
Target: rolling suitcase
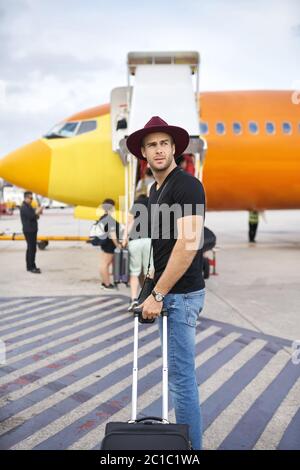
(121, 266)
(150, 433)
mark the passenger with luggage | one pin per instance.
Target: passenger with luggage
(109, 241)
(178, 280)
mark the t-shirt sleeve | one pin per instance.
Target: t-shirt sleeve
(189, 195)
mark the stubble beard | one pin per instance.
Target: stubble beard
(162, 168)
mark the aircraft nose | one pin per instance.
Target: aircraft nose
(28, 167)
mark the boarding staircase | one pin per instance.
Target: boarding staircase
(164, 84)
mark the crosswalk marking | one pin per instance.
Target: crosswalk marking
(212, 384)
(90, 404)
(53, 371)
(54, 357)
(229, 417)
(20, 322)
(31, 329)
(48, 334)
(14, 309)
(78, 385)
(279, 422)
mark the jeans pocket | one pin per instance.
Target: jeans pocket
(193, 302)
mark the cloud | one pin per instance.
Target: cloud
(296, 30)
(61, 56)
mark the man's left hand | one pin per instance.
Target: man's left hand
(151, 308)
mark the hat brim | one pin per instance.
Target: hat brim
(180, 136)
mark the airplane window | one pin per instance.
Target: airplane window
(67, 129)
(253, 127)
(87, 126)
(220, 128)
(286, 128)
(203, 128)
(270, 128)
(237, 128)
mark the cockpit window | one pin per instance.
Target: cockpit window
(71, 129)
(87, 126)
(67, 129)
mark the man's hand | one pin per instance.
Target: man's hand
(151, 308)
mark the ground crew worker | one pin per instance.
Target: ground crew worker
(29, 217)
(253, 224)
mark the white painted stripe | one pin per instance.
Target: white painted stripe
(53, 357)
(81, 410)
(212, 384)
(25, 390)
(10, 303)
(228, 419)
(216, 348)
(31, 329)
(78, 385)
(56, 426)
(33, 339)
(74, 366)
(275, 429)
(33, 304)
(19, 317)
(92, 438)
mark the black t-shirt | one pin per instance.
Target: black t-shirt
(185, 194)
(141, 226)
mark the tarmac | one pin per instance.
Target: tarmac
(67, 373)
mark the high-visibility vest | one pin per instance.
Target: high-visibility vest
(253, 217)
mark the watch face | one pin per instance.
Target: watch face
(159, 297)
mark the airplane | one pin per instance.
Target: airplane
(84, 158)
(252, 160)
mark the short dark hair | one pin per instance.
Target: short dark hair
(179, 159)
(27, 193)
(108, 204)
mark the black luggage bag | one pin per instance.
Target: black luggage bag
(149, 433)
(121, 266)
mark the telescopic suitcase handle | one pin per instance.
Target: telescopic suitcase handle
(138, 312)
(137, 319)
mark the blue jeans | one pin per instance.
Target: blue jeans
(183, 312)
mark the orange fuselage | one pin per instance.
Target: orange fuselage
(242, 170)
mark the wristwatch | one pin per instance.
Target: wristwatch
(158, 296)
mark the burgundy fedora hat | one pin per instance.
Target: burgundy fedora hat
(156, 124)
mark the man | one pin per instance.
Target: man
(29, 218)
(177, 261)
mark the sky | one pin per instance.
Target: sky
(58, 57)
